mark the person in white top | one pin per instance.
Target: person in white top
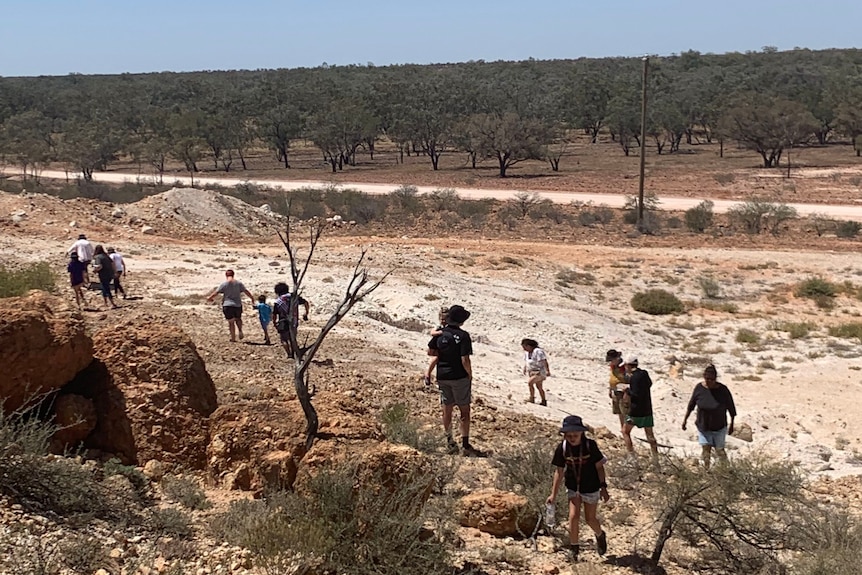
(119, 270)
(85, 250)
(536, 367)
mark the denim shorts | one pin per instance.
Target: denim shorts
(590, 498)
(712, 438)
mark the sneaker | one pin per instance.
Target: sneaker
(574, 551)
(427, 381)
(602, 543)
(544, 403)
(470, 451)
(530, 400)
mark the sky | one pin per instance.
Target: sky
(58, 37)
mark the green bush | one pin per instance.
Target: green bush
(745, 335)
(700, 217)
(405, 199)
(138, 480)
(848, 229)
(847, 330)
(757, 215)
(17, 282)
(525, 469)
(185, 491)
(336, 524)
(816, 287)
(170, 521)
(656, 302)
(443, 199)
(796, 330)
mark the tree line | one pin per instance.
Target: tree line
(504, 112)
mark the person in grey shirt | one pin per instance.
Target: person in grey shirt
(232, 290)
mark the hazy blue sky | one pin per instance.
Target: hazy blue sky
(97, 36)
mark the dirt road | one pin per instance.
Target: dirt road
(611, 200)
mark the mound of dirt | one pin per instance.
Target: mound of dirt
(191, 211)
(44, 344)
(152, 394)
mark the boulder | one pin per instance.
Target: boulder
(44, 344)
(154, 470)
(148, 230)
(496, 512)
(152, 394)
(259, 445)
(75, 417)
(743, 431)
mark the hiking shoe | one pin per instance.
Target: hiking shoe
(574, 551)
(451, 446)
(544, 403)
(602, 543)
(427, 381)
(470, 451)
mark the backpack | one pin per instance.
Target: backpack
(282, 305)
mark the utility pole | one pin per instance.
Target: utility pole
(640, 222)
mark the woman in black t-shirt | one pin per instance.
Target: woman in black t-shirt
(714, 402)
(579, 461)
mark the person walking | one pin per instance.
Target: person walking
(119, 271)
(714, 402)
(640, 413)
(86, 252)
(76, 277)
(536, 368)
(617, 384)
(103, 265)
(231, 290)
(284, 316)
(453, 348)
(264, 313)
(580, 464)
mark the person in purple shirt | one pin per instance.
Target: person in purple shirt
(77, 270)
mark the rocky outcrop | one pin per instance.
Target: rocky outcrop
(497, 512)
(44, 345)
(152, 395)
(259, 445)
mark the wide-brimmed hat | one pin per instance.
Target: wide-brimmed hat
(457, 314)
(612, 354)
(573, 423)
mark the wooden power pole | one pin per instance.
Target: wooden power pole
(640, 222)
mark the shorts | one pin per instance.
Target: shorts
(640, 422)
(590, 498)
(540, 373)
(232, 312)
(619, 403)
(106, 287)
(264, 325)
(715, 439)
(455, 391)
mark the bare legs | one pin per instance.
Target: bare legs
(535, 382)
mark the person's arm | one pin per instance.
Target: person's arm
(603, 483)
(307, 310)
(547, 367)
(251, 297)
(689, 408)
(559, 472)
(211, 295)
(731, 409)
(468, 366)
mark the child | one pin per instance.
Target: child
(265, 313)
(537, 368)
(443, 317)
(76, 269)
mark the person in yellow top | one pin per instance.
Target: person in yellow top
(617, 384)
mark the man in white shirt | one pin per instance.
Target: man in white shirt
(84, 249)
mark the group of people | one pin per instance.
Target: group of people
(578, 461)
(108, 264)
(281, 312)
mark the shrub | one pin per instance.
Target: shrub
(405, 198)
(17, 282)
(815, 287)
(399, 427)
(525, 469)
(796, 330)
(651, 203)
(848, 229)
(336, 524)
(138, 480)
(82, 554)
(408, 323)
(185, 491)
(443, 199)
(847, 330)
(656, 302)
(170, 521)
(710, 287)
(745, 335)
(757, 215)
(565, 278)
(833, 548)
(724, 178)
(700, 217)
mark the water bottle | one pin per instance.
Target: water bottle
(550, 515)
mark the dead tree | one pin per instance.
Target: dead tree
(357, 289)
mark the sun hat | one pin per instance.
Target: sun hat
(573, 423)
(632, 360)
(612, 354)
(457, 314)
